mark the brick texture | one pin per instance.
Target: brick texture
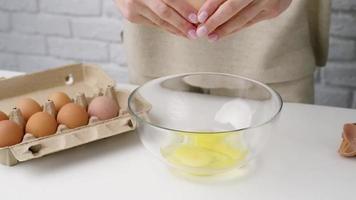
(19, 5)
(23, 44)
(110, 10)
(81, 50)
(117, 54)
(28, 63)
(344, 4)
(342, 49)
(39, 34)
(72, 7)
(344, 25)
(332, 96)
(98, 29)
(337, 83)
(41, 24)
(8, 61)
(340, 74)
(4, 21)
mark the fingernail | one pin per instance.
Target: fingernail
(193, 18)
(202, 16)
(202, 31)
(192, 34)
(213, 38)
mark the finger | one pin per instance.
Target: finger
(260, 17)
(269, 13)
(283, 5)
(224, 13)
(187, 11)
(237, 22)
(207, 9)
(146, 12)
(146, 21)
(171, 16)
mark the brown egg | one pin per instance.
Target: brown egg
(3, 116)
(41, 124)
(10, 133)
(59, 99)
(72, 115)
(103, 107)
(28, 107)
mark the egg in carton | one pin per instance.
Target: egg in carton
(97, 126)
(80, 100)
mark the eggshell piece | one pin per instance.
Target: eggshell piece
(350, 134)
(103, 107)
(41, 124)
(3, 116)
(348, 145)
(59, 99)
(10, 133)
(28, 107)
(72, 115)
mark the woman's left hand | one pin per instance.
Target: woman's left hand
(220, 18)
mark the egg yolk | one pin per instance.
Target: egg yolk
(206, 151)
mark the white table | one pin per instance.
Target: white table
(300, 162)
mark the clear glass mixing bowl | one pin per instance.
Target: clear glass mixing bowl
(205, 123)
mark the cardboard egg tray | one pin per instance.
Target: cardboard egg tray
(82, 82)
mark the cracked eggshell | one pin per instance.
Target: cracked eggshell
(348, 145)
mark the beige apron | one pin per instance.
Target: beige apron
(282, 52)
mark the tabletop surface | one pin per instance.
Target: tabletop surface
(299, 162)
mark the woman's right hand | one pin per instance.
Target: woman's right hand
(175, 16)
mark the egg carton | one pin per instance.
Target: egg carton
(83, 82)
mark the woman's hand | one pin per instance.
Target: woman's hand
(220, 18)
(175, 16)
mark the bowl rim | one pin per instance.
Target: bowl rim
(271, 90)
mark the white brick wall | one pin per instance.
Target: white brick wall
(19, 5)
(4, 21)
(76, 49)
(342, 49)
(42, 24)
(38, 34)
(72, 7)
(97, 29)
(336, 83)
(22, 44)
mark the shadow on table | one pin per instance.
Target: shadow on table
(232, 177)
(81, 155)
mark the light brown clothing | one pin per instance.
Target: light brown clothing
(296, 91)
(283, 49)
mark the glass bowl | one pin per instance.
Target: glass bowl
(205, 123)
